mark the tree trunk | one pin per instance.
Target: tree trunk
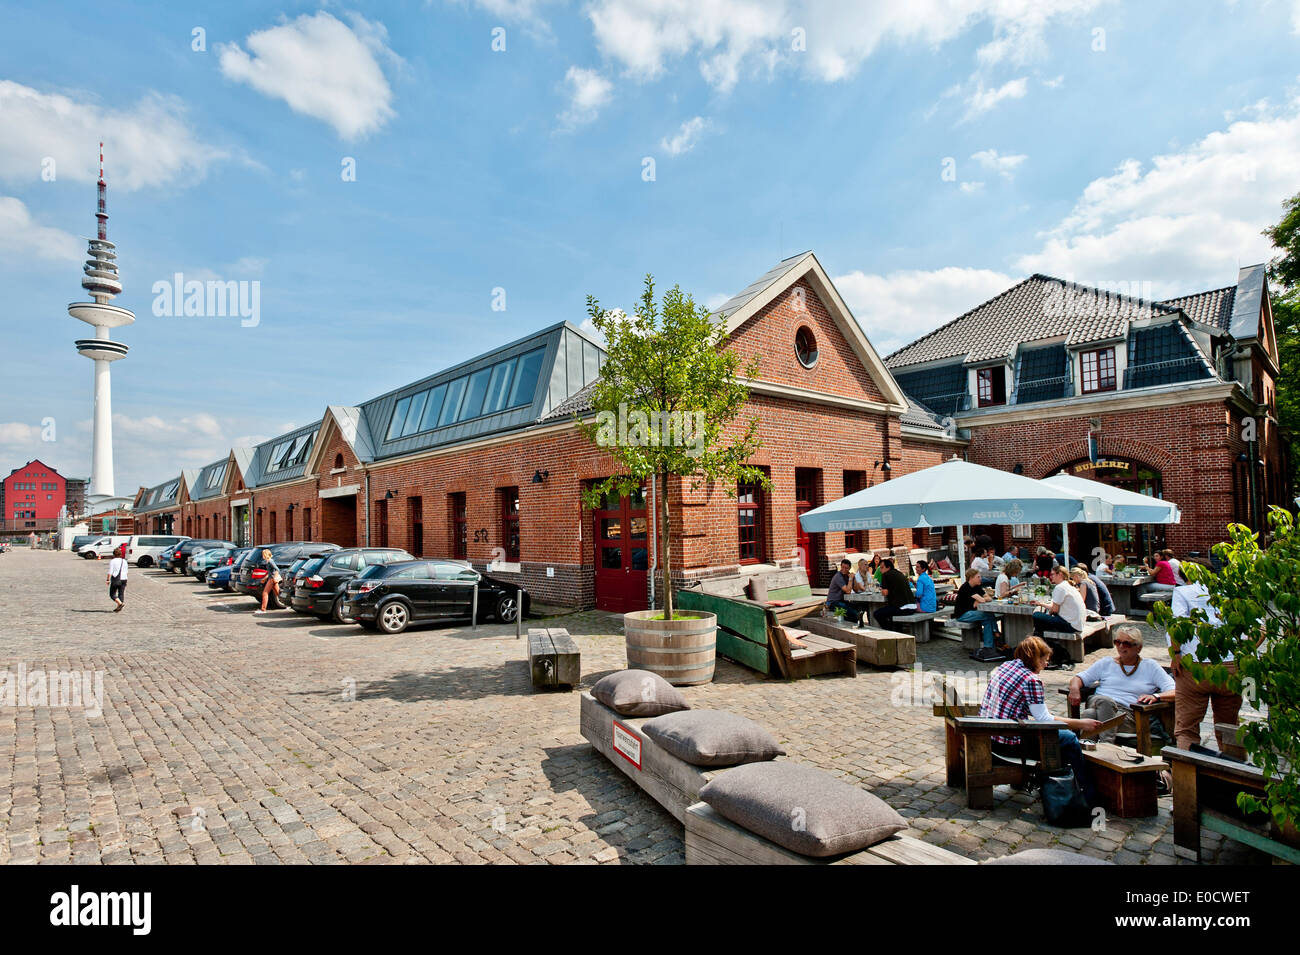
(664, 538)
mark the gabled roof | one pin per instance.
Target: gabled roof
(292, 444)
(538, 371)
(1040, 308)
(743, 306)
(210, 481)
(921, 418)
(161, 496)
(189, 477)
(350, 423)
(1212, 308)
(243, 462)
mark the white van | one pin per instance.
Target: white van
(103, 546)
(143, 549)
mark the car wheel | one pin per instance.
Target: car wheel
(337, 614)
(393, 617)
(145, 561)
(506, 609)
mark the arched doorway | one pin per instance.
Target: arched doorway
(1131, 541)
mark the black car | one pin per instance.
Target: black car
(252, 573)
(179, 559)
(286, 585)
(319, 585)
(390, 597)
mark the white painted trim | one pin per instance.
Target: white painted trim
(505, 567)
(241, 502)
(921, 434)
(1179, 394)
(771, 388)
(811, 268)
(344, 490)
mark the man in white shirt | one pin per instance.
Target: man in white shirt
(117, 573)
(1064, 614)
(1121, 681)
(1193, 697)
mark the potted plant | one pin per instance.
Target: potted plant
(1256, 593)
(665, 406)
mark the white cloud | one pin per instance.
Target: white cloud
(21, 235)
(684, 140)
(972, 187)
(18, 434)
(1184, 219)
(902, 306)
(983, 99)
(1054, 82)
(148, 145)
(321, 68)
(1004, 166)
(526, 13)
(588, 92)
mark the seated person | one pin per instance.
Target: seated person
(1064, 613)
(926, 599)
(969, 596)
(1121, 680)
(898, 595)
(1043, 562)
(1010, 555)
(1162, 570)
(1082, 581)
(1015, 692)
(1009, 581)
(863, 578)
(841, 583)
(1105, 602)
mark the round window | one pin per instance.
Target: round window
(805, 346)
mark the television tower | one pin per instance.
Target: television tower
(102, 283)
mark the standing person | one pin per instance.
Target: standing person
(1192, 697)
(927, 601)
(1064, 614)
(842, 583)
(272, 583)
(1015, 692)
(117, 572)
(969, 596)
(898, 595)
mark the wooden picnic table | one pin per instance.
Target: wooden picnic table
(1017, 619)
(1124, 591)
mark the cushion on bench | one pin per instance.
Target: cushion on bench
(1047, 857)
(801, 808)
(638, 693)
(712, 738)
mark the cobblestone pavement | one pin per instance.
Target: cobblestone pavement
(226, 737)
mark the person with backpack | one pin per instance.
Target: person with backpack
(117, 573)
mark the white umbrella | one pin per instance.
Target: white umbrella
(1127, 507)
(956, 493)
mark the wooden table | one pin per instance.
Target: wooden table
(1127, 787)
(1017, 619)
(867, 601)
(1124, 591)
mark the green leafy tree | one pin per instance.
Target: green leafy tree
(1284, 285)
(1256, 594)
(665, 403)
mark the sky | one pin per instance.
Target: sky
(398, 187)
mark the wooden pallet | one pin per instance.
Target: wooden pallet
(877, 648)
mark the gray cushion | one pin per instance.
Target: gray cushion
(801, 808)
(1047, 857)
(712, 738)
(638, 693)
(758, 588)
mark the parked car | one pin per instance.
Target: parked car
(103, 546)
(180, 556)
(219, 576)
(143, 550)
(80, 541)
(290, 576)
(252, 573)
(201, 561)
(390, 597)
(319, 587)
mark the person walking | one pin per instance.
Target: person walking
(1192, 696)
(271, 585)
(117, 573)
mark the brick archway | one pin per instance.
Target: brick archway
(1052, 461)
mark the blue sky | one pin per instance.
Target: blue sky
(1144, 144)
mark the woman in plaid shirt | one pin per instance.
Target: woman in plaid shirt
(1015, 692)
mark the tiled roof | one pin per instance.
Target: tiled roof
(763, 282)
(918, 416)
(577, 403)
(1213, 308)
(1040, 308)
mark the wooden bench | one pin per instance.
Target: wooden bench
(1152, 597)
(1143, 714)
(916, 624)
(668, 780)
(969, 632)
(878, 648)
(1205, 796)
(949, 700)
(553, 658)
(712, 839)
(1127, 786)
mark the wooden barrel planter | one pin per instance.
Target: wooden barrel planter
(680, 650)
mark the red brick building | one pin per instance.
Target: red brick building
(1175, 399)
(483, 461)
(32, 497)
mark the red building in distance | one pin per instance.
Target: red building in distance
(33, 496)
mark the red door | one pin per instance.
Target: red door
(808, 548)
(621, 532)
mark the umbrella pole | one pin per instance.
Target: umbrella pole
(1065, 545)
(961, 551)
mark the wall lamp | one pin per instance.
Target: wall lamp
(539, 477)
(389, 495)
(1018, 469)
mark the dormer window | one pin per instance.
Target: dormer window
(992, 385)
(1098, 370)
